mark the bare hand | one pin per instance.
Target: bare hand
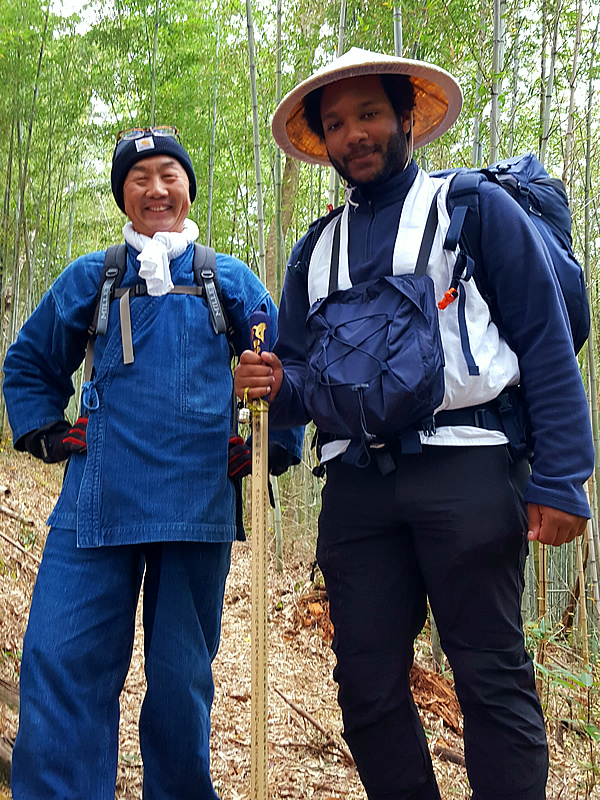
(260, 374)
(551, 526)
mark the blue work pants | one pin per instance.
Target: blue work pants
(76, 655)
(449, 524)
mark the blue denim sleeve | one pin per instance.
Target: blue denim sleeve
(49, 349)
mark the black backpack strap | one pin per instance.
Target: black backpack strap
(463, 207)
(115, 264)
(205, 273)
(334, 264)
(431, 224)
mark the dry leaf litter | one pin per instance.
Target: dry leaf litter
(307, 755)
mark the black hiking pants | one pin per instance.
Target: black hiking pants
(448, 524)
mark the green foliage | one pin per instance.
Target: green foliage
(570, 690)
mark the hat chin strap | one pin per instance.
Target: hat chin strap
(410, 143)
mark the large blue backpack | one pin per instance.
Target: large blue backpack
(545, 201)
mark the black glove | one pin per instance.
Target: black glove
(75, 441)
(240, 458)
(239, 462)
(280, 458)
(46, 442)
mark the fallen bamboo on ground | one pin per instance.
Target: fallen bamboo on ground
(328, 734)
(15, 515)
(18, 546)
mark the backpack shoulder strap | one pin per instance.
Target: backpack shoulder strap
(115, 264)
(463, 206)
(311, 237)
(431, 224)
(205, 274)
(465, 224)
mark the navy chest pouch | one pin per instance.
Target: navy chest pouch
(374, 352)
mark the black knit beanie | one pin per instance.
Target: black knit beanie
(129, 151)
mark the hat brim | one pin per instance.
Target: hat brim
(438, 101)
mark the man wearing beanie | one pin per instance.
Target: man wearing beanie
(149, 494)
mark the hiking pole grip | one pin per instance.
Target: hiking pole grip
(260, 331)
(260, 327)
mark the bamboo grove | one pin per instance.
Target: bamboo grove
(70, 81)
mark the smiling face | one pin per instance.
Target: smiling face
(156, 194)
(365, 140)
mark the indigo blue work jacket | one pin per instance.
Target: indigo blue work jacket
(533, 317)
(158, 430)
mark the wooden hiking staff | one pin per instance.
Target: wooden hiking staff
(259, 330)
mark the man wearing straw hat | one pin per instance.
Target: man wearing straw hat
(441, 504)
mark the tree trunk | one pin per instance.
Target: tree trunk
(260, 220)
(71, 215)
(568, 615)
(514, 104)
(153, 71)
(497, 67)
(567, 169)
(289, 190)
(211, 159)
(334, 178)
(398, 30)
(543, 78)
(590, 352)
(23, 174)
(476, 147)
(549, 87)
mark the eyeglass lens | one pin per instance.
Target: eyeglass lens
(155, 130)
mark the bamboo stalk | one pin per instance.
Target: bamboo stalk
(211, 158)
(582, 605)
(153, 73)
(515, 81)
(497, 67)
(542, 606)
(278, 227)
(590, 351)
(277, 523)
(549, 87)
(572, 84)
(593, 569)
(334, 178)
(476, 143)
(398, 30)
(256, 131)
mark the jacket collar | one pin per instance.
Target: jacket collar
(384, 194)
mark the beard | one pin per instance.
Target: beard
(394, 161)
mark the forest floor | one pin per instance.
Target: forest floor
(307, 755)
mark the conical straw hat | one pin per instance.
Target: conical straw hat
(438, 101)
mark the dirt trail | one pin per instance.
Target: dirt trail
(306, 751)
